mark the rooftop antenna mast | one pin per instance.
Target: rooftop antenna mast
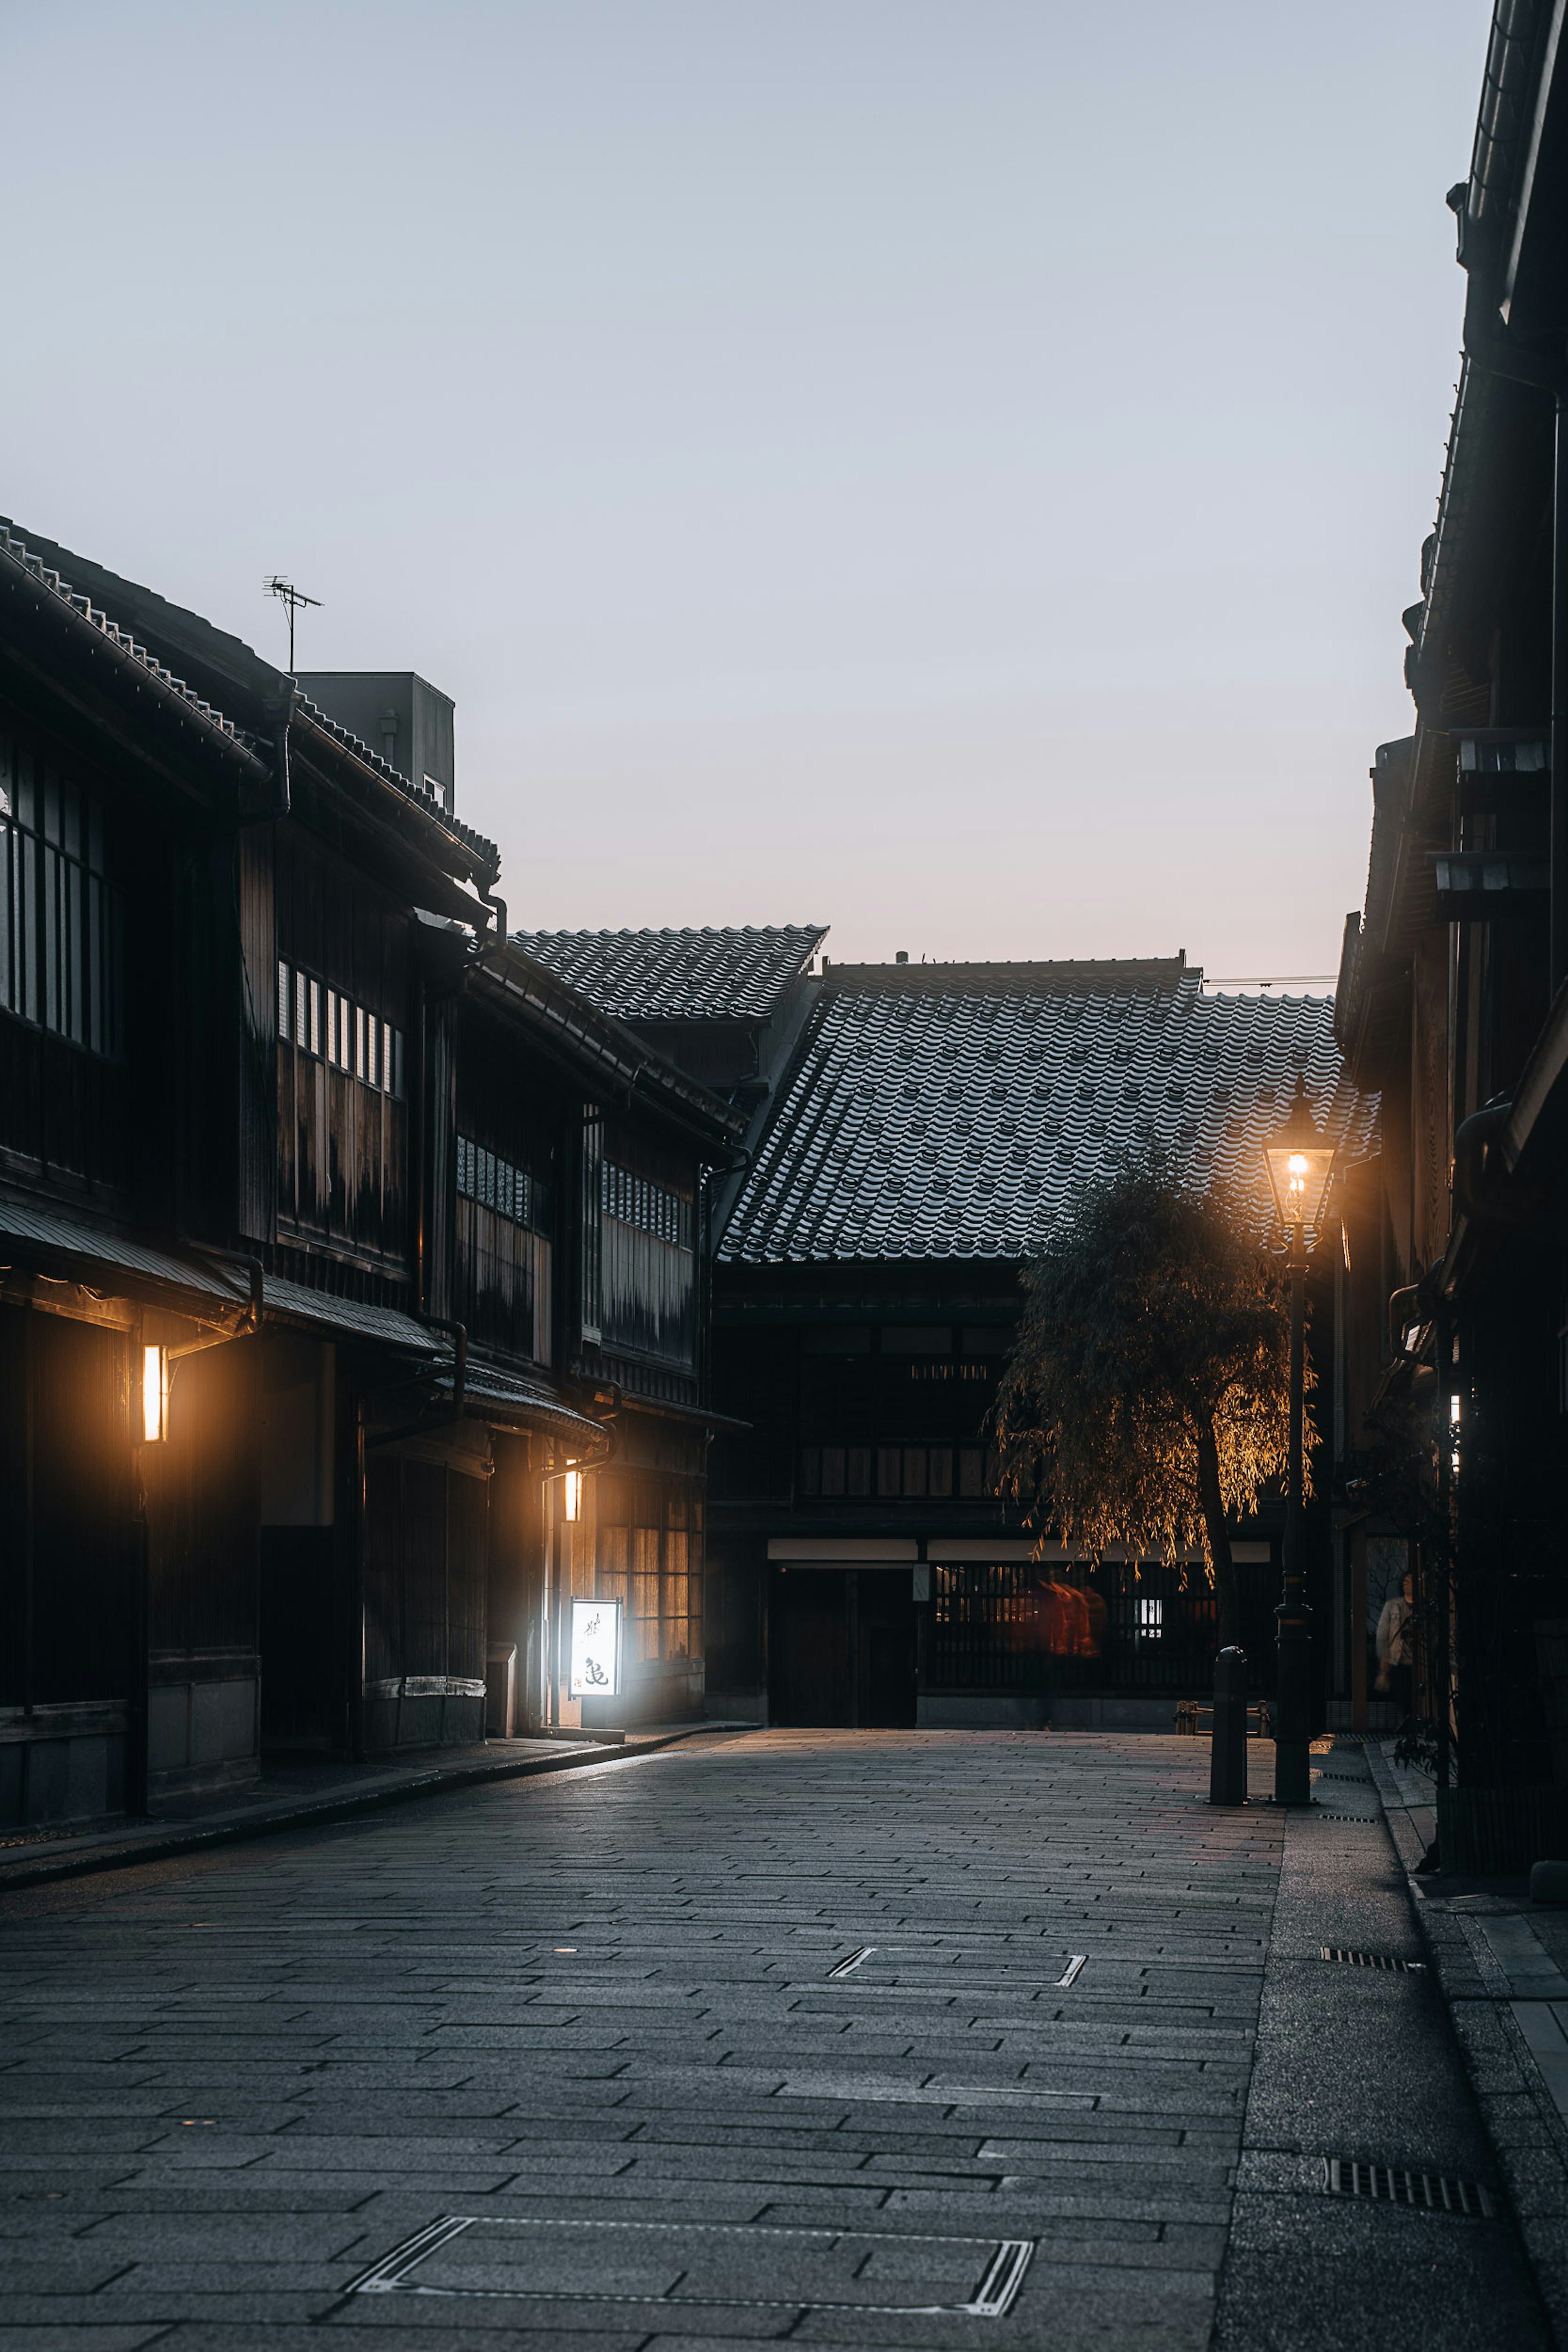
(287, 594)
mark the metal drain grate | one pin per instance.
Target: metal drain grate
(1372, 1961)
(1360, 1780)
(847, 1967)
(1391, 2186)
(1332, 1814)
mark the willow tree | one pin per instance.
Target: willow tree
(1146, 1399)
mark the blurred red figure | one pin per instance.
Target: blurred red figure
(1068, 1621)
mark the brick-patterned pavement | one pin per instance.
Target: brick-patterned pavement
(594, 2019)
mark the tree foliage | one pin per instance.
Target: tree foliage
(1146, 1397)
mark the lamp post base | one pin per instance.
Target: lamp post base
(1293, 1727)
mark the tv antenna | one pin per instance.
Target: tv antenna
(287, 594)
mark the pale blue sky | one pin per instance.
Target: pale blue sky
(952, 471)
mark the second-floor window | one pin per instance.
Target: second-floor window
(61, 926)
(321, 1021)
(496, 1183)
(503, 1252)
(652, 1208)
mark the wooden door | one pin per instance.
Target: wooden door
(886, 1622)
(810, 1683)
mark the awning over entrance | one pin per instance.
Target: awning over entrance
(61, 1249)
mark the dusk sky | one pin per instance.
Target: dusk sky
(952, 472)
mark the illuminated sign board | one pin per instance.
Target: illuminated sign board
(595, 1649)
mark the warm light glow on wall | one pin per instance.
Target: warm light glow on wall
(572, 1494)
(154, 1395)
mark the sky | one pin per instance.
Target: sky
(950, 469)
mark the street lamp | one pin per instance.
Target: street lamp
(1300, 1168)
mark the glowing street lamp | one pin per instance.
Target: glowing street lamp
(571, 1496)
(1301, 1169)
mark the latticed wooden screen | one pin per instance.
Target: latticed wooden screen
(1023, 1624)
(647, 1554)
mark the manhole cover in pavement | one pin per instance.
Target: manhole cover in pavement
(718, 2263)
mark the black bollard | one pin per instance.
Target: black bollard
(1228, 1748)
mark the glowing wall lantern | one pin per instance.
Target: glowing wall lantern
(154, 1395)
(572, 1495)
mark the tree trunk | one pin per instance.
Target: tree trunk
(1226, 1612)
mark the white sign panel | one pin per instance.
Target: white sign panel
(595, 1649)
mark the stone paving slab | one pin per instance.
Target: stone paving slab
(234, 2082)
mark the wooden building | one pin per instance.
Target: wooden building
(1453, 1004)
(334, 1232)
(929, 1126)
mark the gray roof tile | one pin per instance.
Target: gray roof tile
(956, 1111)
(20, 552)
(692, 975)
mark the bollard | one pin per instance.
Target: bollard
(1227, 1747)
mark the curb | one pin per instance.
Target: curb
(1528, 2135)
(314, 1812)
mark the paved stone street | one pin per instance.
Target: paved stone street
(881, 2038)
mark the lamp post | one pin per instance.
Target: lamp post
(1300, 1168)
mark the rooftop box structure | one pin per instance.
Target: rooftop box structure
(399, 714)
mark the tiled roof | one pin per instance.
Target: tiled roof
(697, 975)
(956, 1111)
(48, 576)
(18, 549)
(513, 1398)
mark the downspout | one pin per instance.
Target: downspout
(459, 1356)
(416, 1143)
(279, 713)
(497, 908)
(252, 1268)
(436, 1416)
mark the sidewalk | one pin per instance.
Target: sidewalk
(1502, 1965)
(292, 1795)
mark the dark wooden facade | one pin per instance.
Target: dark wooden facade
(276, 1098)
(1454, 1004)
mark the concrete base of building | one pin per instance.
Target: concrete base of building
(203, 1731)
(738, 1707)
(979, 1711)
(61, 1763)
(1090, 1711)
